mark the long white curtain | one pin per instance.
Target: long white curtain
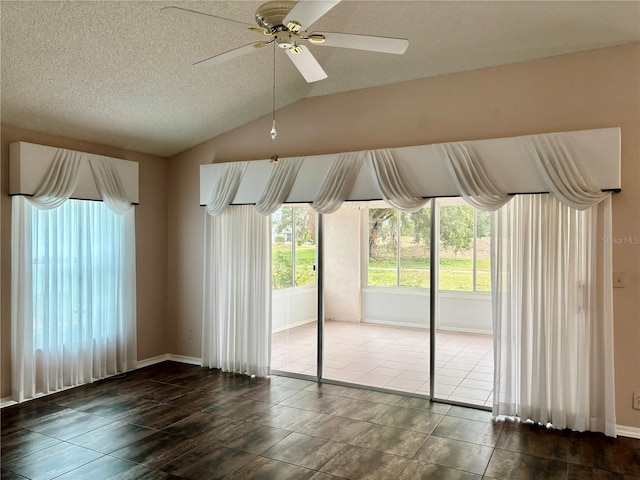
(236, 334)
(73, 295)
(551, 277)
(553, 321)
(551, 288)
(73, 281)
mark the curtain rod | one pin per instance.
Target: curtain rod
(71, 198)
(612, 190)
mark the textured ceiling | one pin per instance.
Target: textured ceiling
(120, 72)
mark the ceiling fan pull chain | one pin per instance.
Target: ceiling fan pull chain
(273, 131)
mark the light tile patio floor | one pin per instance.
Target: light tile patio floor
(392, 357)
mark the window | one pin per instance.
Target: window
(293, 250)
(464, 247)
(76, 266)
(73, 295)
(399, 248)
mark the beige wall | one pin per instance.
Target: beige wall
(342, 269)
(595, 89)
(151, 243)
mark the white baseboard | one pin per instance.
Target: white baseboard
(184, 359)
(464, 330)
(624, 431)
(169, 356)
(6, 402)
(293, 325)
(152, 361)
(396, 324)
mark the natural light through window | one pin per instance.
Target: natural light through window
(293, 239)
(399, 248)
(464, 247)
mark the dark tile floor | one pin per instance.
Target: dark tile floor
(173, 420)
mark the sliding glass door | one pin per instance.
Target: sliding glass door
(376, 281)
(464, 352)
(376, 272)
(294, 291)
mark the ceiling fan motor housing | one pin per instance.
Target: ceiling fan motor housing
(270, 15)
(284, 39)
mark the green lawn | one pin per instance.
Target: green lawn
(281, 265)
(455, 273)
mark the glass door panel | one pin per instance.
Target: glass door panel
(376, 274)
(294, 292)
(464, 345)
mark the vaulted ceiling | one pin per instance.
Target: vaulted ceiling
(121, 72)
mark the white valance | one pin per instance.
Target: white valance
(109, 184)
(395, 189)
(60, 181)
(279, 185)
(43, 171)
(338, 183)
(574, 166)
(226, 187)
(470, 177)
(565, 178)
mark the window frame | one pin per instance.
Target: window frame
(293, 250)
(379, 204)
(456, 202)
(440, 202)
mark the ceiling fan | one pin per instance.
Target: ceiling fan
(286, 23)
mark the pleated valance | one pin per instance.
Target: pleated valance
(49, 176)
(576, 167)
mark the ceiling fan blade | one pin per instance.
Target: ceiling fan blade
(183, 12)
(363, 42)
(306, 12)
(307, 65)
(226, 56)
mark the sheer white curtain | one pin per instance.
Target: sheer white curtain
(236, 333)
(553, 322)
(551, 288)
(73, 287)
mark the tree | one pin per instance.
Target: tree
(382, 228)
(304, 219)
(456, 227)
(421, 223)
(483, 224)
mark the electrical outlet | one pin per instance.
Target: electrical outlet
(636, 400)
(618, 280)
(191, 333)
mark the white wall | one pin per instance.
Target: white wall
(342, 264)
(404, 306)
(292, 307)
(465, 312)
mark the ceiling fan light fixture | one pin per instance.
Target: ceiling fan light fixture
(284, 40)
